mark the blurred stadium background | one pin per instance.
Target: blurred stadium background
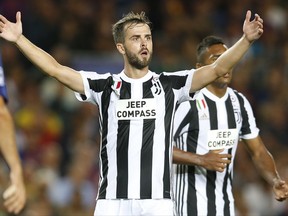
(58, 136)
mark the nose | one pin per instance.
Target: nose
(143, 43)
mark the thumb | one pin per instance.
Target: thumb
(248, 16)
(9, 191)
(281, 183)
(217, 151)
(18, 16)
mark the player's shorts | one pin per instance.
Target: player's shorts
(126, 207)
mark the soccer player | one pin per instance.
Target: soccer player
(208, 129)
(15, 195)
(136, 108)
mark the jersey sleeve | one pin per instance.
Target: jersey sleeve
(185, 94)
(180, 82)
(249, 129)
(93, 86)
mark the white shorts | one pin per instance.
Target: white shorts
(128, 207)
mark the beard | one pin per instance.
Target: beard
(137, 62)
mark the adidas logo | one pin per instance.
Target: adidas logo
(203, 116)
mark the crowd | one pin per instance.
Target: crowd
(56, 134)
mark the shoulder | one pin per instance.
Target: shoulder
(95, 75)
(180, 73)
(236, 93)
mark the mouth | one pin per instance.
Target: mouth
(144, 52)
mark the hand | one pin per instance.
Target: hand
(215, 161)
(15, 195)
(11, 31)
(280, 189)
(253, 29)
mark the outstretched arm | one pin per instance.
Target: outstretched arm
(15, 195)
(207, 74)
(265, 163)
(13, 32)
(213, 160)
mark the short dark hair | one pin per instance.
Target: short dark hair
(205, 44)
(130, 18)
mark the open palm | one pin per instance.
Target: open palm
(11, 31)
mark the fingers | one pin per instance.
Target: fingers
(15, 203)
(9, 192)
(2, 24)
(281, 197)
(259, 21)
(14, 199)
(221, 167)
(3, 19)
(280, 183)
(224, 162)
(258, 18)
(228, 156)
(11, 203)
(217, 151)
(216, 161)
(280, 189)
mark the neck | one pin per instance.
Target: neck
(217, 91)
(134, 73)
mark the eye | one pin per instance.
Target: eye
(148, 38)
(135, 38)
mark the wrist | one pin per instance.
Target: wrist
(16, 172)
(247, 40)
(19, 39)
(199, 160)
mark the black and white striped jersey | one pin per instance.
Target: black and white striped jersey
(136, 131)
(208, 123)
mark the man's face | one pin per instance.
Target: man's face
(211, 55)
(138, 45)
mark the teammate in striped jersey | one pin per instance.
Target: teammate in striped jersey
(208, 129)
(136, 110)
(15, 195)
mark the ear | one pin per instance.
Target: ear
(198, 65)
(120, 48)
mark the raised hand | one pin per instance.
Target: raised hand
(11, 31)
(253, 29)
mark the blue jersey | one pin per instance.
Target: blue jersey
(3, 90)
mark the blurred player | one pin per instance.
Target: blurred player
(15, 195)
(208, 128)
